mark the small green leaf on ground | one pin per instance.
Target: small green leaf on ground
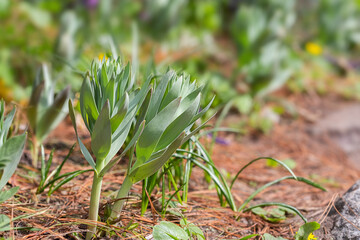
(306, 231)
(274, 214)
(5, 195)
(192, 229)
(4, 222)
(268, 236)
(168, 231)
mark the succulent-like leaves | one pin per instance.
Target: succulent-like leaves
(120, 134)
(143, 109)
(107, 84)
(110, 93)
(159, 95)
(153, 131)
(101, 136)
(178, 125)
(172, 111)
(172, 93)
(121, 113)
(142, 171)
(130, 145)
(88, 107)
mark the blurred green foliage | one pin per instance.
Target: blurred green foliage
(241, 50)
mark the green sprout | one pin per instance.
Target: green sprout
(108, 105)
(170, 114)
(46, 109)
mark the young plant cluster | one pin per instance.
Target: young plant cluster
(154, 124)
(160, 114)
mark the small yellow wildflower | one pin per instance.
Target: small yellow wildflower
(101, 56)
(313, 48)
(312, 237)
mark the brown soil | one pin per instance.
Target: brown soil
(317, 158)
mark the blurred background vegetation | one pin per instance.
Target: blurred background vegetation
(241, 50)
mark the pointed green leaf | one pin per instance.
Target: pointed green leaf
(83, 149)
(117, 159)
(11, 150)
(120, 135)
(124, 83)
(178, 125)
(143, 109)
(104, 76)
(5, 195)
(306, 229)
(101, 136)
(196, 130)
(120, 115)
(202, 112)
(110, 93)
(153, 131)
(249, 236)
(88, 107)
(140, 95)
(140, 172)
(158, 95)
(192, 229)
(189, 101)
(173, 93)
(4, 223)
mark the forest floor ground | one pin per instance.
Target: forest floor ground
(317, 157)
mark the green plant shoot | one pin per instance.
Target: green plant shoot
(170, 113)
(108, 105)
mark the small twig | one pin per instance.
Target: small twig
(327, 209)
(153, 210)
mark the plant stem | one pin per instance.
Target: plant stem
(95, 200)
(123, 192)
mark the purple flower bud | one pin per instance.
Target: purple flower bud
(219, 140)
(91, 3)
